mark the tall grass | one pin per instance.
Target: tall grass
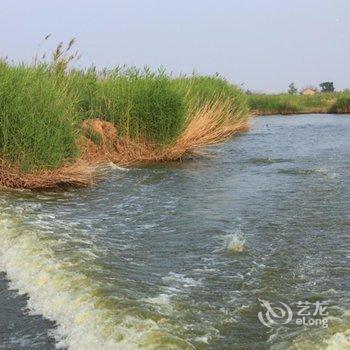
(156, 116)
(342, 105)
(273, 104)
(293, 104)
(37, 118)
(83, 85)
(200, 91)
(142, 107)
(153, 107)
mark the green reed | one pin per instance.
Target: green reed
(42, 107)
(37, 118)
(293, 104)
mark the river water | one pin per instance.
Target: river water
(182, 255)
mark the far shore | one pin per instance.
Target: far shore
(289, 104)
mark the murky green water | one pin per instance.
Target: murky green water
(177, 256)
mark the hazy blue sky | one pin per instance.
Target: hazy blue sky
(265, 44)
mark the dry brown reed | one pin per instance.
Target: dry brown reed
(79, 174)
(211, 124)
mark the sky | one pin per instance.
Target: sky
(263, 45)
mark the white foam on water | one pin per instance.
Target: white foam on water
(71, 298)
(339, 341)
(235, 242)
(327, 173)
(204, 339)
(117, 167)
(162, 301)
(180, 280)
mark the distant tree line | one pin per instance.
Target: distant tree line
(327, 86)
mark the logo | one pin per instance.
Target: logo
(274, 315)
(279, 313)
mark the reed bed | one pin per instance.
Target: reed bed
(78, 174)
(57, 124)
(38, 118)
(342, 105)
(295, 104)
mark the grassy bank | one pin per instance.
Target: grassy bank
(54, 121)
(337, 102)
(38, 118)
(342, 105)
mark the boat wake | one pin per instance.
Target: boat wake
(85, 318)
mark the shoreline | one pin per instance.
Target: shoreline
(288, 104)
(57, 124)
(85, 171)
(60, 125)
(261, 114)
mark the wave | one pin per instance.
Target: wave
(268, 160)
(339, 341)
(235, 242)
(304, 172)
(59, 291)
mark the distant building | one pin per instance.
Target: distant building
(308, 91)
